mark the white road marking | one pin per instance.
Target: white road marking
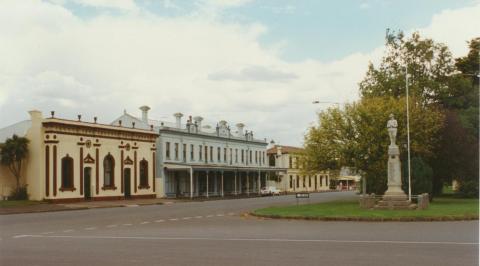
(68, 230)
(198, 217)
(111, 225)
(211, 215)
(173, 219)
(127, 224)
(159, 221)
(145, 222)
(46, 233)
(256, 239)
(90, 228)
(131, 205)
(186, 218)
(219, 215)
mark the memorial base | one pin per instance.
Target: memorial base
(395, 201)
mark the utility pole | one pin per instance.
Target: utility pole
(408, 138)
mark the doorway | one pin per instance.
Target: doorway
(126, 182)
(87, 174)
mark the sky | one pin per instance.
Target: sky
(259, 62)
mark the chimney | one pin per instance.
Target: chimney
(240, 127)
(178, 119)
(198, 120)
(144, 113)
(279, 150)
(36, 117)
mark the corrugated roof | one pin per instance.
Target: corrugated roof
(20, 129)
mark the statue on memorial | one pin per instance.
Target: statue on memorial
(392, 129)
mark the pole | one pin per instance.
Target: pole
(191, 182)
(408, 139)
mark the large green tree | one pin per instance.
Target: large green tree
(12, 154)
(356, 136)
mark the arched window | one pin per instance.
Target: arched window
(67, 173)
(108, 171)
(143, 174)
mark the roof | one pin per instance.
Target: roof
(20, 129)
(285, 149)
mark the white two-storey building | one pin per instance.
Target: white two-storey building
(196, 160)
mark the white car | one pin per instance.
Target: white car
(269, 191)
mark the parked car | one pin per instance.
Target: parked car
(269, 191)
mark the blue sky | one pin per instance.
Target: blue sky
(311, 29)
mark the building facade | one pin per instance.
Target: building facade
(71, 160)
(197, 160)
(293, 180)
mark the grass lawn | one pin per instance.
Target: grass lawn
(441, 208)
(17, 203)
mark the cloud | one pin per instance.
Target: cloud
(53, 59)
(254, 73)
(114, 4)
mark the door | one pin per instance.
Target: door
(126, 182)
(87, 173)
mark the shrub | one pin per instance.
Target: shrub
(468, 189)
(19, 194)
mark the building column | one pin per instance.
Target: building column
(215, 184)
(248, 183)
(222, 190)
(207, 184)
(259, 183)
(197, 185)
(235, 183)
(191, 182)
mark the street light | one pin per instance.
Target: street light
(408, 138)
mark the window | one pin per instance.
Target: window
(298, 182)
(309, 181)
(211, 154)
(321, 180)
(263, 157)
(290, 164)
(304, 185)
(231, 155)
(199, 152)
(176, 151)
(256, 157)
(218, 154)
(108, 171)
(271, 160)
(184, 152)
(225, 154)
(144, 174)
(236, 155)
(242, 156)
(67, 173)
(206, 153)
(251, 157)
(192, 152)
(167, 150)
(291, 181)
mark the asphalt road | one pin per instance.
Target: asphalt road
(217, 233)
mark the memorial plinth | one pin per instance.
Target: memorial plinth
(394, 197)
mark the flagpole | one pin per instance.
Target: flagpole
(408, 139)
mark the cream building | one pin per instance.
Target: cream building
(293, 180)
(71, 160)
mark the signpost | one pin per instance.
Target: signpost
(303, 195)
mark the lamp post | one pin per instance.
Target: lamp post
(408, 138)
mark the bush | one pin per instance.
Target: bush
(468, 189)
(422, 176)
(20, 194)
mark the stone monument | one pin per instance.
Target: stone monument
(394, 197)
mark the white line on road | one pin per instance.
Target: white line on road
(127, 224)
(46, 233)
(219, 215)
(159, 221)
(90, 228)
(111, 225)
(68, 230)
(198, 217)
(211, 215)
(146, 222)
(173, 219)
(186, 218)
(255, 239)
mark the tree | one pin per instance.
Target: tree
(356, 136)
(12, 153)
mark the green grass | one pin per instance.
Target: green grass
(447, 208)
(17, 203)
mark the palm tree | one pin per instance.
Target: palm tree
(12, 153)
